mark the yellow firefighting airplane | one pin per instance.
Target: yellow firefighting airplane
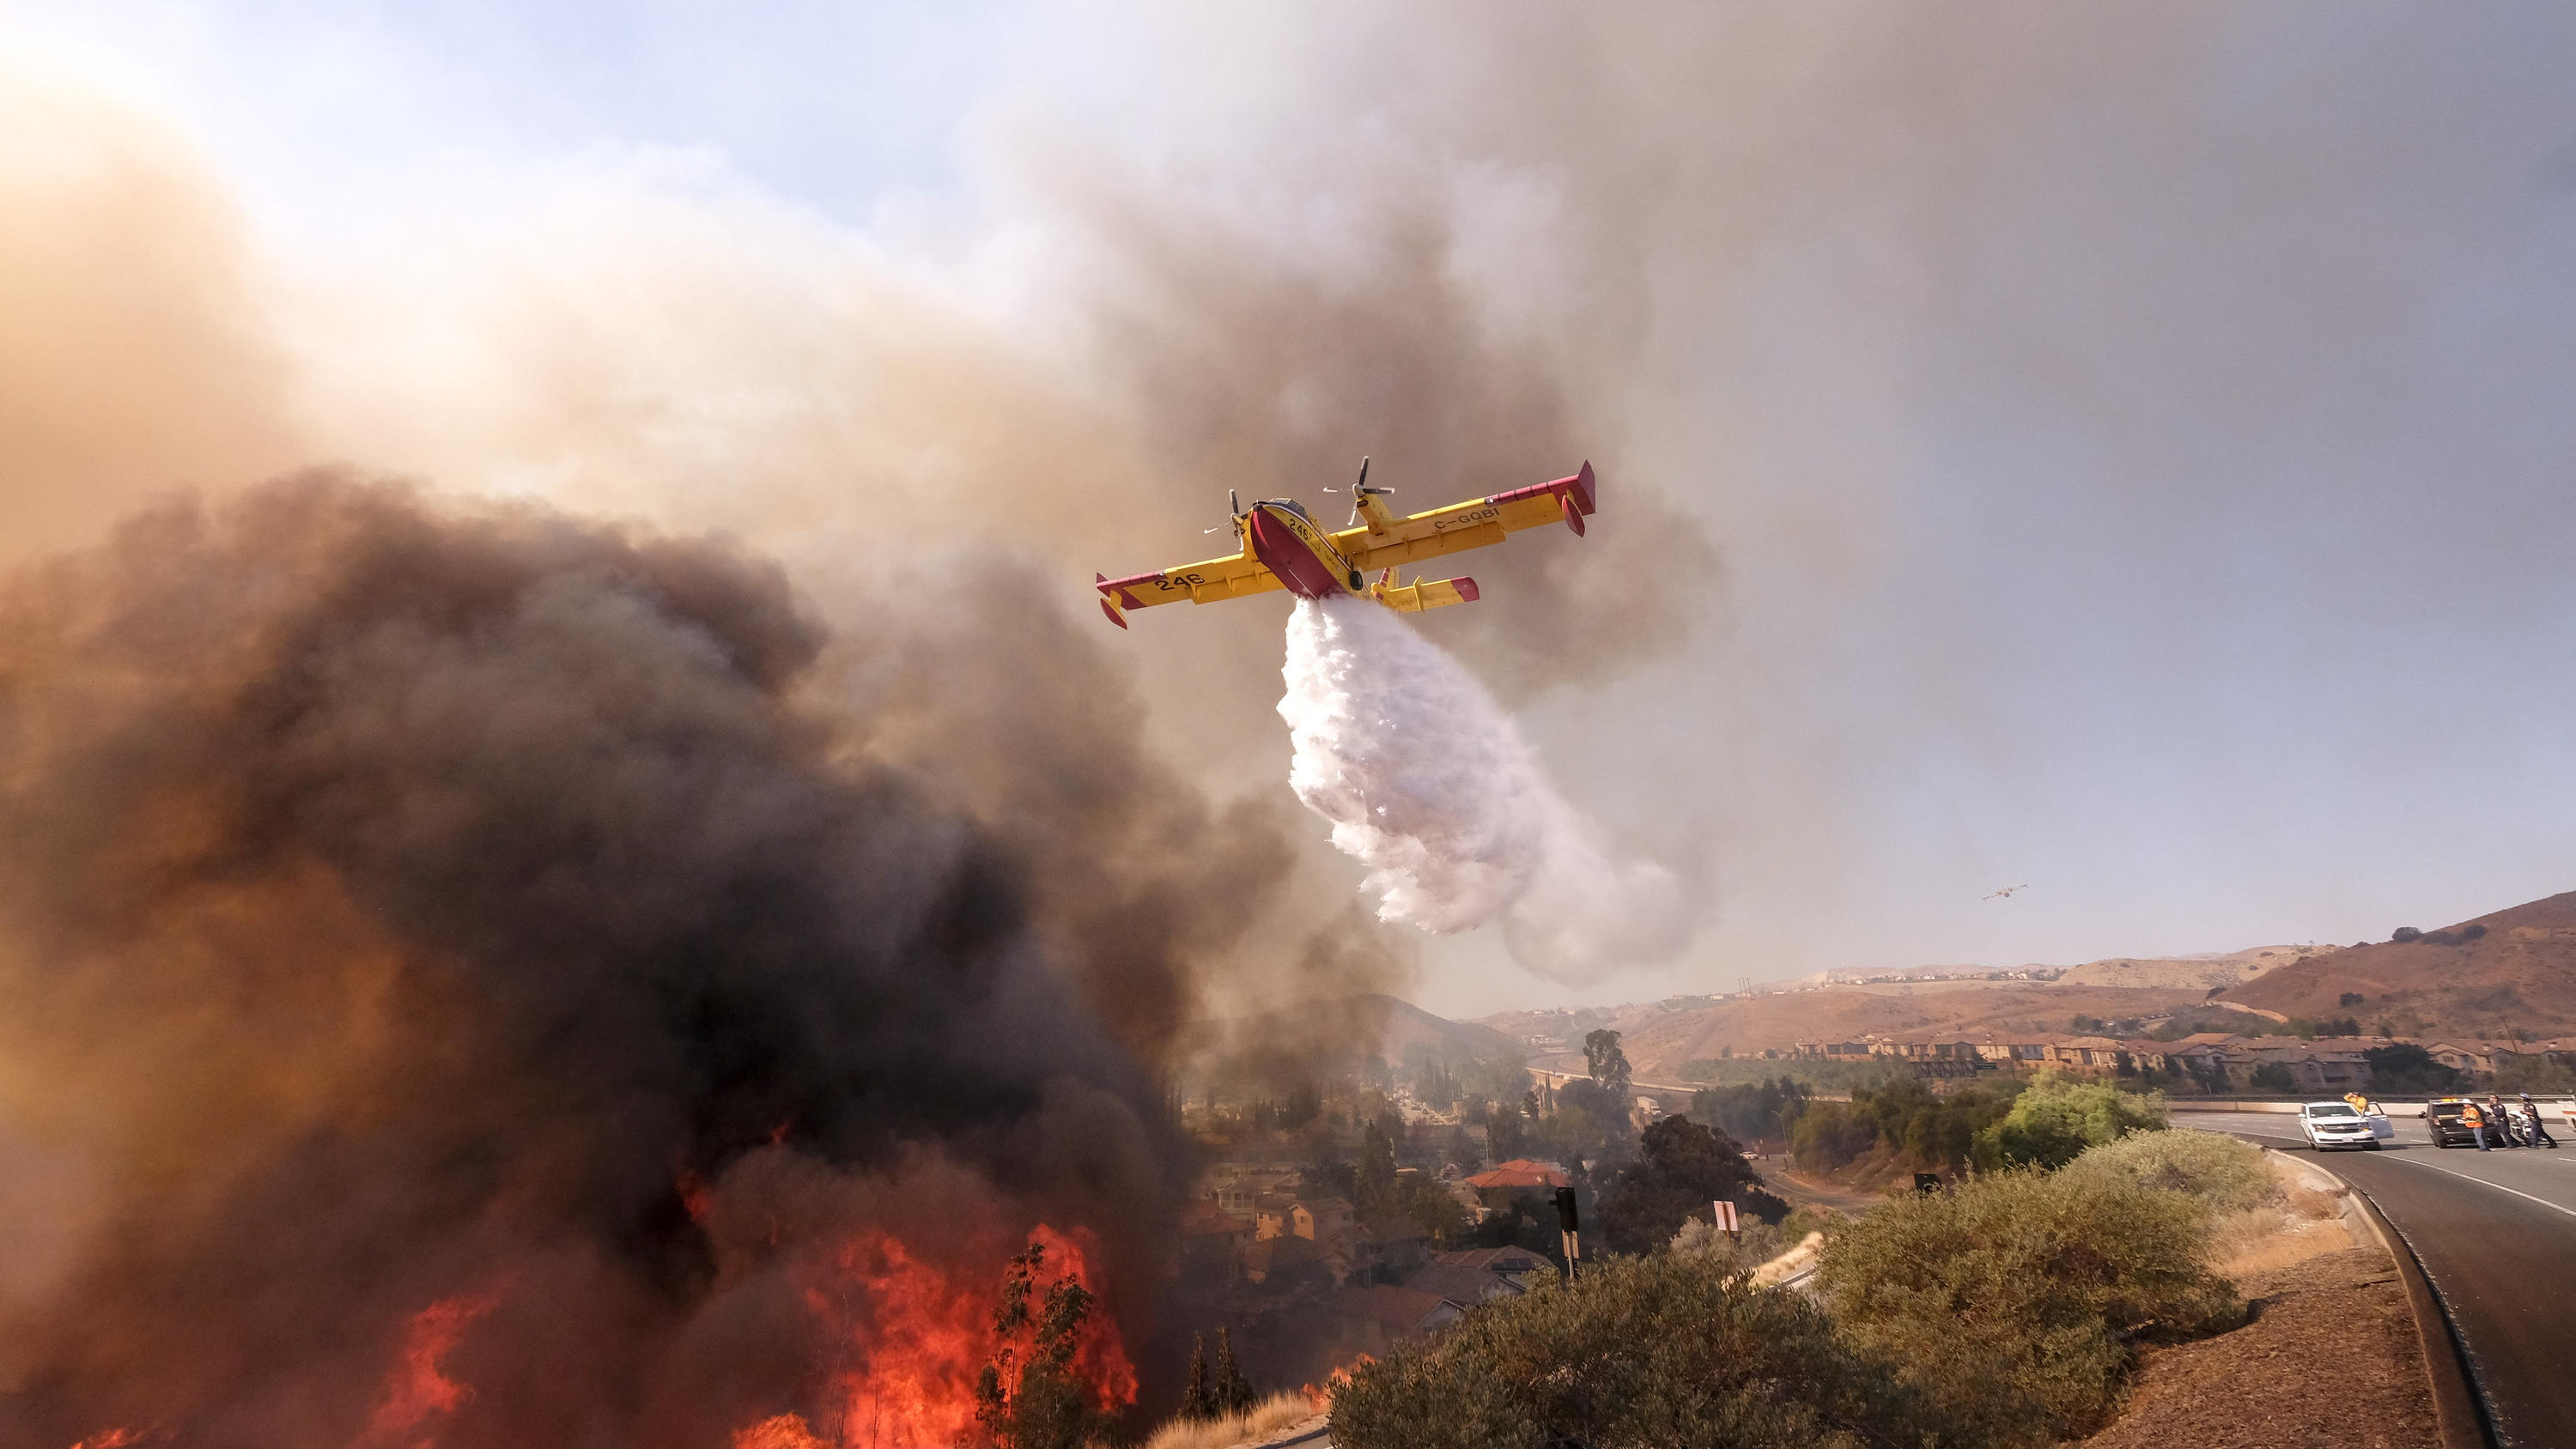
(1279, 546)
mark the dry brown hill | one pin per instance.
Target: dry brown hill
(2203, 973)
(1365, 1024)
(2480, 978)
(1748, 1024)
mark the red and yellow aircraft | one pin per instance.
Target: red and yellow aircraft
(1279, 546)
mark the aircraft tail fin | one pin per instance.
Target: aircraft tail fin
(1576, 496)
(1110, 596)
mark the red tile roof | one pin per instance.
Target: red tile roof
(1520, 1172)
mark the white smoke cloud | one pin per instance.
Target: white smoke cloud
(1428, 782)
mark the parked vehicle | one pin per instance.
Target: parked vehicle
(2445, 1124)
(2336, 1124)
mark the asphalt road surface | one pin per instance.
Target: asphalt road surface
(2496, 1233)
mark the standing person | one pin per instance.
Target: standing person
(2476, 1121)
(2539, 1134)
(2503, 1120)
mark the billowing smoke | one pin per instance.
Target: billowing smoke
(1428, 782)
(472, 976)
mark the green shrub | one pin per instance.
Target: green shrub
(1936, 1129)
(2013, 1300)
(2056, 1118)
(2220, 1173)
(1660, 1350)
(1830, 1134)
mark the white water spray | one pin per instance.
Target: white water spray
(1428, 782)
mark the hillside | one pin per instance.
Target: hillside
(1367, 1024)
(2484, 977)
(2183, 973)
(1748, 1024)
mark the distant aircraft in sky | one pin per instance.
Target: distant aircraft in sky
(2008, 890)
(1279, 546)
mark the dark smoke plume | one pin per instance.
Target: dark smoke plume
(468, 942)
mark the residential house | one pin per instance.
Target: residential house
(1388, 1248)
(1321, 1219)
(1285, 1262)
(1272, 1214)
(1376, 1318)
(1518, 1267)
(1212, 1240)
(1241, 1194)
(1520, 1177)
(2090, 1055)
(2472, 1056)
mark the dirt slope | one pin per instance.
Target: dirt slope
(2520, 972)
(1749, 1024)
(2182, 973)
(1386, 1026)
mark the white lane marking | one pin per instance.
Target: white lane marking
(2500, 1187)
(2447, 1172)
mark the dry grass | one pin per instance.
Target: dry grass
(1262, 1421)
(2300, 1222)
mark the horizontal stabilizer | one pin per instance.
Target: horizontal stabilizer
(1423, 594)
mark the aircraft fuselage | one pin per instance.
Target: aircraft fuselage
(1303, 556)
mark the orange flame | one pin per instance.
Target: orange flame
(1322, 1397)
(917, 1337)
(419, 1390)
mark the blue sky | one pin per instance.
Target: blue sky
(2136, 445)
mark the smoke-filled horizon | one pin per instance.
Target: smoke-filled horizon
(2117, 450)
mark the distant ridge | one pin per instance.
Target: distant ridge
(1368, 1023)
(2481, 978)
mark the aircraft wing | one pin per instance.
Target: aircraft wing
(1472, 524)
(1234, 577)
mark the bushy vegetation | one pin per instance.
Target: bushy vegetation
(2221, 1173)
(1813, 1074)
(2056, 1118)
(1681, 1170)
(2405, 1067)
(2004, 1313)
(1752, 1110)
(2013, 1301)
(1658, 1350)
(1932, 1130)
(1379, 1192)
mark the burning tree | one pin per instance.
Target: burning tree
(1034, 1394)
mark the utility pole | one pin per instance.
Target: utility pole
(1571, 1229)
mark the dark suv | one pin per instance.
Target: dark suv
(2445, 1125)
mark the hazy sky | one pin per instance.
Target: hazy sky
(2134, 446)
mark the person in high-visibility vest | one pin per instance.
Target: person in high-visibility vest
(2475, 1121)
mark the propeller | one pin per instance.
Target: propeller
(1234, 510)
(1359, 489)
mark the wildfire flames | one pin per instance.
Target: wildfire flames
(1321, 1395)
(520, 1012)
(917, 1338)
(419, 1393)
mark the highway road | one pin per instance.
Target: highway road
(2496, 1233)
